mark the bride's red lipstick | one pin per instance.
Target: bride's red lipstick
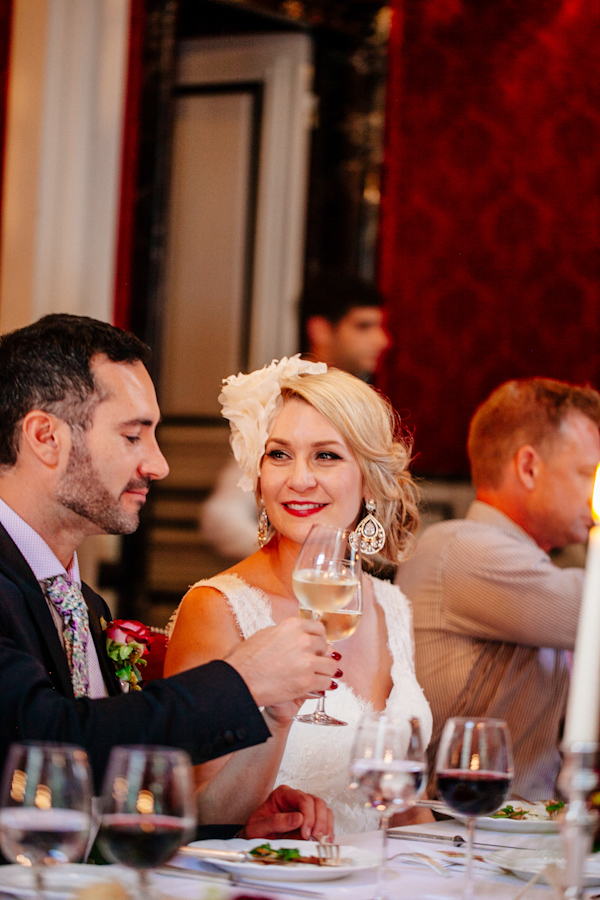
(302, 510)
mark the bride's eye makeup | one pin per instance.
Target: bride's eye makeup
(276, 454)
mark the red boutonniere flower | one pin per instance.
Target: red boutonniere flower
(126, 643)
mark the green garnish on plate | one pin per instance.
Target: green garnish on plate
(284, 853)
(552, 807)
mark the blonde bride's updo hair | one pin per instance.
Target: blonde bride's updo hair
(372, 430)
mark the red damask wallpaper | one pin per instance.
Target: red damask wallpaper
(490, 234)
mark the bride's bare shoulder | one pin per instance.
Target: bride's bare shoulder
(204, 629)
(255, 571)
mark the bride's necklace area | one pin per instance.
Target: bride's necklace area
(280, 558)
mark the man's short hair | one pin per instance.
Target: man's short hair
(333, 294)
(47, 366)
(524, 411)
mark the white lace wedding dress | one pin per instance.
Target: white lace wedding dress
(316, 758)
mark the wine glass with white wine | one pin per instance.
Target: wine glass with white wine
(388, 768)
(45, 806)
(327, 581)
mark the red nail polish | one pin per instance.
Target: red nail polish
(338, 673)
(332, 686)
(335, 655)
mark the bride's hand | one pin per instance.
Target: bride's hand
(281, 714)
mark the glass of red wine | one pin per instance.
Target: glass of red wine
(148, 808)
(474, 770)
(45, 806)
(388, 768)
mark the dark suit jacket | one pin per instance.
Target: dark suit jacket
(207, 711)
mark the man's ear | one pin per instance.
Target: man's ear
(44, 435)
(318, 330)
(527, 466)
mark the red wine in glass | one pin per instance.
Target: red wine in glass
(473, 793)
(474, 771)
(141, 841)
(148, 808)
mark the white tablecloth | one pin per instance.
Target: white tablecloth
(404, 881)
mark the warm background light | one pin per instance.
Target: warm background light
(596, 498)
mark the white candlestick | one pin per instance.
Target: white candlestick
(584, 694)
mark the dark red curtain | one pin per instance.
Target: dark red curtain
(490, 234)
(129, 166)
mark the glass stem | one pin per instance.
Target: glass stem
(320, 710)
(145, 885)
(468, 891)
(380, 893)
(38, 880)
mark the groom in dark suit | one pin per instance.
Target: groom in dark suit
(78, 452)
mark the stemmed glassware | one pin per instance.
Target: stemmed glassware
(388, 768)
(474, 772)
(148, 808)
(327, 580)
(45, 806)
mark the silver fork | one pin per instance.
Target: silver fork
(329, 854)
(425, 860)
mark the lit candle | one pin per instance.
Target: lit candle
(584, 694)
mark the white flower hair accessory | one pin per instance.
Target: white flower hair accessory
(251, 403)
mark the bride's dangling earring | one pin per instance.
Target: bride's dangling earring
(264, 527)
(370, 531)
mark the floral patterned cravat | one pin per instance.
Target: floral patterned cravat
(68, 600)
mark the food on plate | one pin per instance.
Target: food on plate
(543, 809)
(267, 853)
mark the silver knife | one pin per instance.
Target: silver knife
(235, 880)
(457, 840)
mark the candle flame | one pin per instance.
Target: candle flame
(596, 497)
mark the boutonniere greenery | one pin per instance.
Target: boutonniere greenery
(126, 643)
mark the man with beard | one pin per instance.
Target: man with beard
(78, 452)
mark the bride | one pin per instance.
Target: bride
(316, 446)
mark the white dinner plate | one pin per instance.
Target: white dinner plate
(538, 820)
(359, 860)
(527, 863)
(62, 880)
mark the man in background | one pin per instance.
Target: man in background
(78, 453)
(342, 323)
(342, 326)
(494, 618)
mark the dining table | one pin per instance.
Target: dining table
(405, 878)
(188, 878)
